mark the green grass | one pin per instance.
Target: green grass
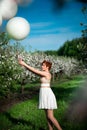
(26, 116)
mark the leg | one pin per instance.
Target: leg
(50, 124)
(52, 119)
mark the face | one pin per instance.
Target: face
(44, 67)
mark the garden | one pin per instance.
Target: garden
(19, 90)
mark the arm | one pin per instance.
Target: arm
(41, 73)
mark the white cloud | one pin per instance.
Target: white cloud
(41, 24)
(48, 28)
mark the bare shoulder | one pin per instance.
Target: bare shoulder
(48, 75)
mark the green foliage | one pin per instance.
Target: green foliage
(51, 52)
(4, 39)
(84, 35)
(8, 69)
(84, 31)
(73, 48)
(5, 123)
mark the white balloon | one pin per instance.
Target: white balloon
(18, 28)
(8, 8)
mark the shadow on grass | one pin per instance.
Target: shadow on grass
(16, 121)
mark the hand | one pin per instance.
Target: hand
(19, 57)
(21, 62)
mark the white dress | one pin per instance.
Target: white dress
(47, 99)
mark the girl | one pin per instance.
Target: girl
(47, 100)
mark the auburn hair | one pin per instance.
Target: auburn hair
(47, 63)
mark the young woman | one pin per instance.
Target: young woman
(47, 100)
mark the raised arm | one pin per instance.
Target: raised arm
(36, 71)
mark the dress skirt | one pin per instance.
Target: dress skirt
(47, 99)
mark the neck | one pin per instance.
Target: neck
(46, 70)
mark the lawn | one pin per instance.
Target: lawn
(26, 116)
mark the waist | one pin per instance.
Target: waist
(45, 84)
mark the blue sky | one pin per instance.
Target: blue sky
(49, 28)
